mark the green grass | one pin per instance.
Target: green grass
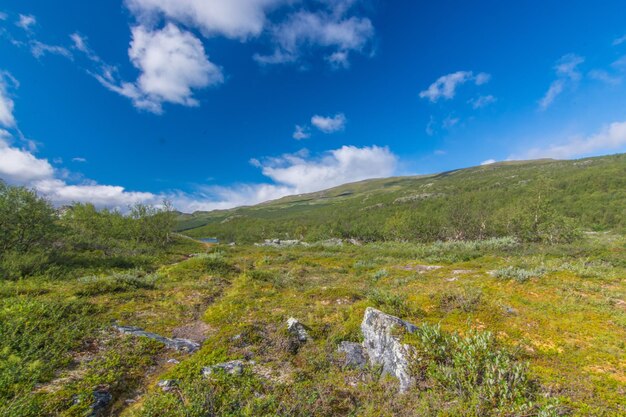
(489, 344)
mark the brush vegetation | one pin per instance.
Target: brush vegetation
(509, 324)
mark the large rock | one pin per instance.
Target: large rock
(383, 346)
(183, 345)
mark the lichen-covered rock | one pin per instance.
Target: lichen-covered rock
(383, 346)
(232, 368)
(297, 329)
(167, 384)
(182, 345)
(354, 354)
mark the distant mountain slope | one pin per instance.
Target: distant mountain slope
(474, 202)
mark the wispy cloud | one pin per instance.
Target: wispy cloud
(482, 101)
(568, 75)
(445, 86)
(301, 132)
(26, 21)
(619, 41)
(610, 138)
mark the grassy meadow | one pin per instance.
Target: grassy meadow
(557, 314)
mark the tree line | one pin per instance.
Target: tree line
(35, 236)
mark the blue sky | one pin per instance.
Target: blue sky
(217, 103)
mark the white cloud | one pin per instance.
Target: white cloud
(610, 138)
(619, 40)
(26, 22)
(323, 29)
(450, 121)
(79, 159)
(567, 72)
(6, 103)
(301, 132)
(488, 162)
(445, 86)
(20, 166)
(431, 126)
(329, 124)
(482, 101)
(339, 166)
(39, 49)
(605, 77)
(3, 16)
(235, 19)
(172, 63)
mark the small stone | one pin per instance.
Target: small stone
(167, 384)
(174, 361)
(297, 329)
(101, 400)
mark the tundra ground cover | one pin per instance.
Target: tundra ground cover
(562, 332)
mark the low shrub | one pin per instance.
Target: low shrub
(519, 274)
(116, 283)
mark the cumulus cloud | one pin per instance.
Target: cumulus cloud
(327, 27)
(329, 124)
(488, 162)
(237, 19)
(6, 103)
(567, 73)
(445, 86)
(20, 166)
(26, 22)
(610, 138)
(301, 132)
(346, 164)
(172, 63)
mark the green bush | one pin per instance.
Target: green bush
(118, 282)
(476, 370)
(519, 274)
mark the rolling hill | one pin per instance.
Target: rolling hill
(590, 193)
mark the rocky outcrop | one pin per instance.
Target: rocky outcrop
(232, 368)
(181, 345)
(354, 355)
(383, 346)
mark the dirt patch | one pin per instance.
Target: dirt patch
(196, 331)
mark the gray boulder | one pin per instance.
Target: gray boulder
(181, 345)
(354, 354)
(383, 346)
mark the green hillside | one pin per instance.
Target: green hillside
(479, 202)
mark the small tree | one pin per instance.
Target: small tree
(27, 221)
